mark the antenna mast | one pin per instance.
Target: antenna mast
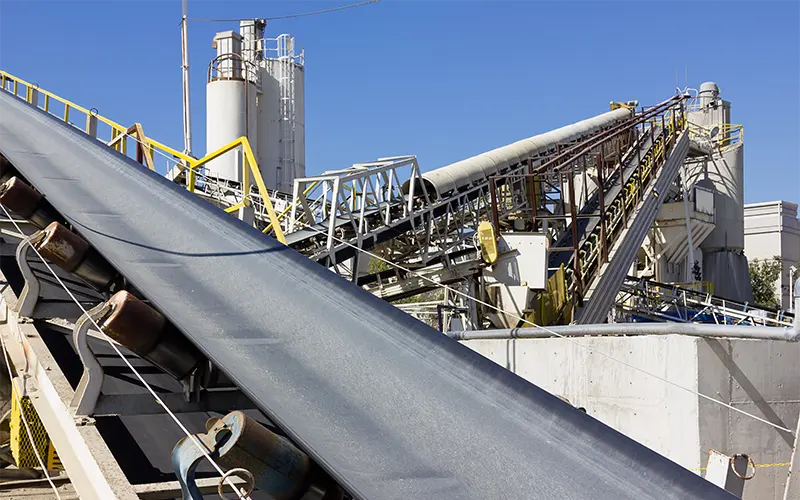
(187, 114)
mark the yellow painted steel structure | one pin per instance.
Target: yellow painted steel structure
(22, 449)
(117, 134)
(488, 242)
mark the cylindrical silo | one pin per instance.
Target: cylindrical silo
(299, 122)
(230, 114)
(269, 125)
(723, 261)
(282, 115)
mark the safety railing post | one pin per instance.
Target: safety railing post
(91, 125)
(601, 190)
(576, 258)
(533, 203)
(493, 196)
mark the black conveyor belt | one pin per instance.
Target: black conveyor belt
(391, 408)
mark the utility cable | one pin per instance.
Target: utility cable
(515, 316)
(290, 16)
(113, 345)
(555, 334)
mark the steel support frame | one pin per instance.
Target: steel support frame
(91, 466)
(658, 300)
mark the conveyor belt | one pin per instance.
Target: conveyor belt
(388, 406)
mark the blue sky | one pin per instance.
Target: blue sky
(442, 80)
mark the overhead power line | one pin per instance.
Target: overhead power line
(290, 16)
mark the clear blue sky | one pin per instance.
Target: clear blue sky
(442, 80)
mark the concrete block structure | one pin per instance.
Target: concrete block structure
(772, 229)
(758, 377)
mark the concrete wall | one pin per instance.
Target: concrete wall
(772, 229)
(760, 377)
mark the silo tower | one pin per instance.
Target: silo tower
(256, 87)
(724, 263)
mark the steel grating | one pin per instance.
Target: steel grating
(388, 406)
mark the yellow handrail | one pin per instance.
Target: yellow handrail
(32, 89)
(119, 133)
(250, 168)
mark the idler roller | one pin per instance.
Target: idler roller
(7, 170)
(73, 254)
(271, 463)
(147, 333)
(24, 201)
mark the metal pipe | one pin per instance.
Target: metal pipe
(796, 299)
(24, 201)
(187, 114)
(789, 334)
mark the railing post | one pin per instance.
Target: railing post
(91, 125)
(532, 201)
(246, 177)
(601, 197)
(493, 195)
(576, 258)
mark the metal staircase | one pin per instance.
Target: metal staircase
(595, 236)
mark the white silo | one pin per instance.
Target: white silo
(723, 261)
(230, 105)
(282, 113)
(269, 109)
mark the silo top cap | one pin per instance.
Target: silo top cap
(709, 87)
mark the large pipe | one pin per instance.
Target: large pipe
(458, 175)
(789, 334)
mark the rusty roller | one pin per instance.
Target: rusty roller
(146, 332)
(7, 170)
(73, 254)
(24, 201)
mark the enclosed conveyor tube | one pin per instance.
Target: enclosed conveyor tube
(460, 175)
(146, 332)
(24, 201)
(73, 254)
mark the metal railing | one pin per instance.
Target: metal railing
(118, 137)
(645, 300)
(617, 189)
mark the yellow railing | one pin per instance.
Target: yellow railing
(250, 169)
(90, 118)
(116, 135)
(728, 134)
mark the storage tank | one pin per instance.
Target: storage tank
(282, 114)
(723, 261)
(230, 106)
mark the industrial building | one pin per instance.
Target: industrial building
(233, 325)
(771, 229)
